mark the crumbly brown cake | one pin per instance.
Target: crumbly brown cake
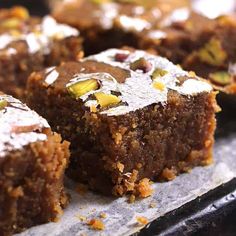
(29, 44)
(32, 164)
(106, 24)
(130, 116)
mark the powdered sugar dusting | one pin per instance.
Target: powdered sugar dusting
(19, 126)
(41, 37)
(138, 90)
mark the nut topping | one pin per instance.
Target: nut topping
(82, 87)
(222, 78)
(159, 73)
(158, 85)
(141, 64)
(106, 100)
(212, 53)
(121, 57)
(3, 104)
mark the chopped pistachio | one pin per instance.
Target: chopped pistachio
(106, 100)
(212, 53)
(3, 104)
(220, 77)
(141, 64)
(11, 23)
(158, 73)
(82, 87)
(158, 85)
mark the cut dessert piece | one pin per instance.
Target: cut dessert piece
(205, 46)
(106, 24)
(28, 44)
(177, 35)
(32, 164)
(130, 116)
(215, 58)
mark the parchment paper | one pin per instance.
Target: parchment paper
(121, 216)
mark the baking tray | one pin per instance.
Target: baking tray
(195, 214)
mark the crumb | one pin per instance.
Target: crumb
(132, 198)
(103, 215)
(169, 174)
(96, 224)
(144, 188)
(142, 220)
(120, 166)
(81, 188)
(152, 205)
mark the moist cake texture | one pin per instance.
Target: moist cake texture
(28, 44)
(32, 164)
(130, 117)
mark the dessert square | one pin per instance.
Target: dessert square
(185, 32)
(28, 44)
(130, 116)
(32, 164)
(109, 24)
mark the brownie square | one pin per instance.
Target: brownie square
(109, 24)
(32, 164)
(28, 44)
(130, 116)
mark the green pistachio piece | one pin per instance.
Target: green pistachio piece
(82, 87)
(3, 104)
(159, 73)
(106, 100)
(221, 77)
(213, 53)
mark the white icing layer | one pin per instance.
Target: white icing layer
(17, 116)
(51, 76)
(138, 90)
(178, 15)
(213, 8)
(133, 23)
(156, 34)
(41, 37)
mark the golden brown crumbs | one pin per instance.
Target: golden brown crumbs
(142, 220)
(96, 224)
(81, 188)
(117, 137)
(120, 166)
(169, 173)
(144, 188)
(103, 215)
(17, 192)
